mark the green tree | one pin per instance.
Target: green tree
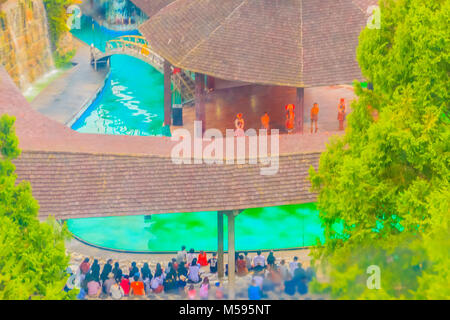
(384, 186)
(32, 253)
(57, 20)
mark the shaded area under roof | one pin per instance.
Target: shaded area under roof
(298, 43)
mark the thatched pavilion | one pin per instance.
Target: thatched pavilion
(289, 43)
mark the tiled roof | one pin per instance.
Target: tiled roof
(71, 185)
(151, 7)
(299, 43)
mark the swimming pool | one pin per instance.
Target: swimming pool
(264, 228)
(132, 104)
(132, 101)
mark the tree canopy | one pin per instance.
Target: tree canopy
(32, 253)
(384, 186)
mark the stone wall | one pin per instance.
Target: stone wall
(25, 48)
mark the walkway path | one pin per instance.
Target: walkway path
(65, 98)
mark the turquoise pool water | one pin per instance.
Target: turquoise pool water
(132, 104)
(265, 228)
(132, 101)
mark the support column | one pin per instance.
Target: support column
(210, 83)
(200, 99)
(231, 253)
(167, 93)
(299, 110)
(220, 265)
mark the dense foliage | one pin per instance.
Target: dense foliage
(32, 253)
(384, 187)
(57, 19)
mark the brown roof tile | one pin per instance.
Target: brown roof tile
(297, 43)
(69, 185)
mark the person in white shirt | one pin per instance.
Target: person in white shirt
(259, 261)
(293, 265)
(190, 257)
(181, 255)
(284, 270)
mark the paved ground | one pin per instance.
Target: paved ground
(79, 251)
(73, 91)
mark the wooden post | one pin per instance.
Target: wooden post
(167, 93)
(199, 99)
(299, 110)
(231, 253)
(220, 266)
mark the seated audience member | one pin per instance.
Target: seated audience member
(213, 263)
(117, 271)
(137, 286)
(83, 290)
(289, 287)
(157, 283)
(169, 268)
(108, 283)
(116, 290)
(174, 264)
(248, 261)
(95, 270)
(170, 284)
(125, 284)
(271, 259)
(133, 270)
(275, 276)
(258, 278)
(85, 266)
(194, 272)
(190, 256)
(146, 277)
(191, 292)
(302, 286)
(254, 291)
(93, 286)
(241, 266)
(181, 283)
(202, 259)
(204, 289)
(219, 291)
(107, 268)
(259, 262)
(182, 271)
(299, 272)
(293, 265)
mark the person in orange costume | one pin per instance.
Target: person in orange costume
(239, 125)
(341, 114)
(265, 120)
(202, 259)
(314, 116)
(290, 117)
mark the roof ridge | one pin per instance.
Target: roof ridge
(214, 31)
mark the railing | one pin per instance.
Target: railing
(138, 47)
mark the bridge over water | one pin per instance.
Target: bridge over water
(138, 47)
